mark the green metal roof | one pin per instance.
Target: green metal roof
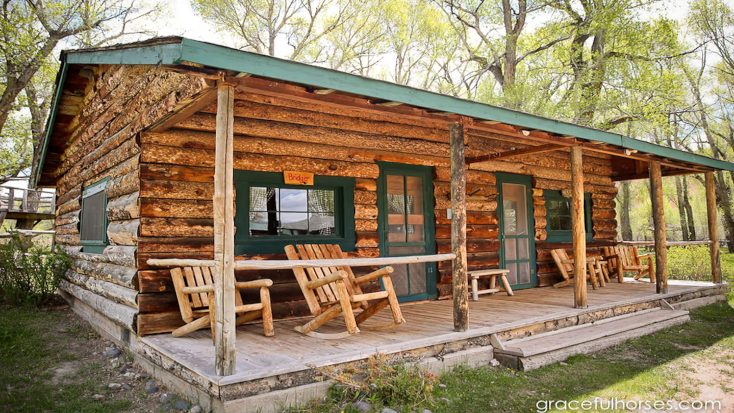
(176, 50)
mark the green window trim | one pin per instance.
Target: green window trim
(562, 235)
(94, 246)
(345, 235)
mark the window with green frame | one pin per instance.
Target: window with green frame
(93, 218)
(558, 217)
(271, 214)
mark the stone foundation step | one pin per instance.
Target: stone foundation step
(547, 348)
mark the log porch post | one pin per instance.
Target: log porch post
(458, 227)
(658, 217)
(578, 228)
(713, 222)
(224, 282)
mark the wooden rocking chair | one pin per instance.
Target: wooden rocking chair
(623, 258)
(565, 266)
(195, 293)
(333, 290)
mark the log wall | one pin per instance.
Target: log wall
(275, 134)
(102, 142)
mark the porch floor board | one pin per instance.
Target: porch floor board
(427, 323)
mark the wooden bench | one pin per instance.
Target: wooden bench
(492, 274)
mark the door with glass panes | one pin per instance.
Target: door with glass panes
(517, 235)
(406, 227)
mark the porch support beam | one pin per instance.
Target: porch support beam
(658, 217)
(224, 281)
(516, 152)
(460, 281)
(578, 228)
(713, 222)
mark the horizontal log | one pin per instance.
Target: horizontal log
(68, 218)
(106, 271)
(124, 207)
(368, 151)
(472, 217)
(367, 239)
(472, 231)
(175, 244)
(319, 135)
(65, 195)
(369, 212)
(605, 233)
(603, 213)
(87, 174)
(443, 174)
(472, 245)
(123, 232)
(114, 292)
(365, 225)
(157, 302)
(365, 184)
(365, 197)
(259, 162)
(72, 228)
(291, 96)
(177, 227)
(312, 117)
(177, 190)
(176, 208)
(600, 224)
(152, 171)
(67, 239)
(120, 314)
(70, 206)
(123, 184)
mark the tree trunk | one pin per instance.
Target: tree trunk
(724, 201)
(681, 209)
(689, 211)
(625, 212)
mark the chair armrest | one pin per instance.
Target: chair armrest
(374, 275)
(568, 261)
(254, 284)
(198, 289)
(648, 255)
(333, 277)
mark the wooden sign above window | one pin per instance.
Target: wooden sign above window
(298, 178)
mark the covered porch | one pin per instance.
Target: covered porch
(265, 366)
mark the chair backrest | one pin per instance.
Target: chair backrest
(194, 277)
(566, 268)
(627, 255)
(326, 293)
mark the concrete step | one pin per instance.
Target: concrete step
(547, 348)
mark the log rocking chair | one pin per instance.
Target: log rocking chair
(333, 290)
(195, 293)
(627, 258)
(594, 269)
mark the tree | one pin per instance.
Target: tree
(267, 26)
(493, 37)
(30, 30)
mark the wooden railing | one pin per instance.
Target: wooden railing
(289, 264)
(669, 243)
(27, 200)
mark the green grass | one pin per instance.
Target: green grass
(32, 348)
(648, 368)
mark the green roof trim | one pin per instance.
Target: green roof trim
(173, 51)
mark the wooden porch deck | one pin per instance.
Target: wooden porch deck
(428, 324)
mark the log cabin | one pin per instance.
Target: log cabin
(174, 152)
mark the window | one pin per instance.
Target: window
(94, 218)
(272, 214)
(558, 216)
